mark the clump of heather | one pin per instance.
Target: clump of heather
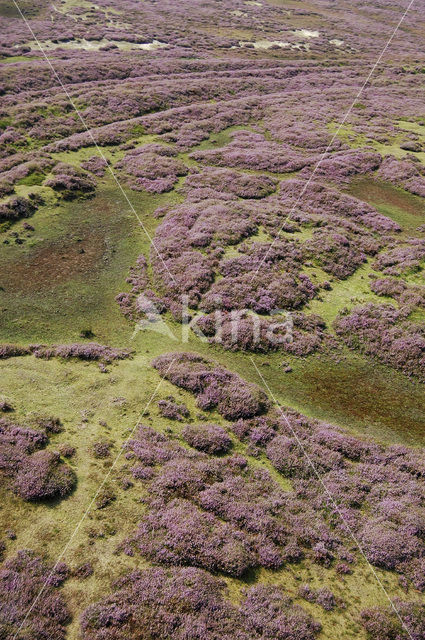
(6, 406)
(43, 476)
(105, 497)
(67, 450)
(50, 424)
(323, 597)
(308, 335)
(298, 333)
(182, 237)
(320, 201)
(83, 571)
(183, 602)
(186, 486)
(96, 165)
(32, 472)
(216, 388)
(70, 182)
(134, 305)
(17, 208)
(12, 351)
(262, 292)
(21, 579)
(385, 624)
(382, 331)
(408, 296)
(152, 447)
(17, 443)
(210, 438)
(402, 259)
(388, 545)
(152, 167)
(377, 490)
(336, 253)
(182, 534)
(343, 165)
(388, 287)
(261, 276)
(189, 602)
(252, 151)
(416, 573)
(168, 408)
(404, 173)
(101, 449)
(242, 185)
(270, 614)
(243, 332)
(82, 351)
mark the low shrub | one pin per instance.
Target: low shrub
(21, 579)
(216, 388)
(101, 449)
(172, 410)
(209, 438)
(33, 472)
(189, 602)
(385, 624)
(43, 476)
(70, 182)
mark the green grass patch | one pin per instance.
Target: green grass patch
(65, 278)
(137, 130)
(399, 205)
(11, 59)
(415, 127)
(352, 291)
(35, 178)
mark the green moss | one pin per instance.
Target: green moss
(352, 291)
(35, 178)
(416, 127)
(217, 140)
(5, 122)
(137, 130)
(11, 59)
(347, 134)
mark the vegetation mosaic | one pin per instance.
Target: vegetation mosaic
(212, 320)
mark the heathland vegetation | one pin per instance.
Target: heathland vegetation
(212, 320)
